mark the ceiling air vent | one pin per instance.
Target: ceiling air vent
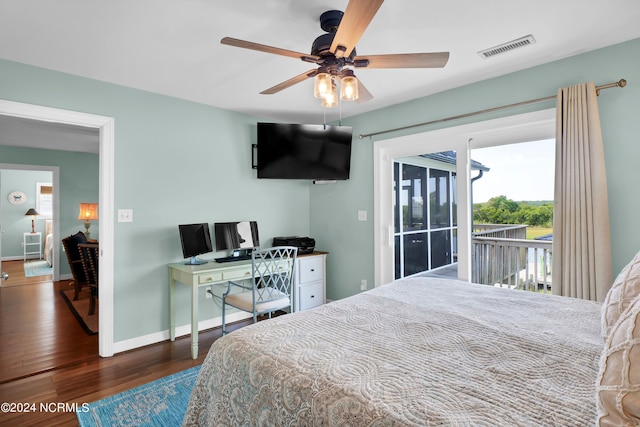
(508, 46)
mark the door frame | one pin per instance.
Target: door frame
(105, 126)
(537, 125)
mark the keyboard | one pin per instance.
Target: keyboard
(234, 258)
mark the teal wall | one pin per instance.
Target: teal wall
(334, 209)
(13, 219)
(181, 162)
(175, 162)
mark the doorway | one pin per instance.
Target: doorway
(105, 126)
(537, 125)
(26, 176)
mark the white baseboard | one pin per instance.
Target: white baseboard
(156, 337)
(15, 258)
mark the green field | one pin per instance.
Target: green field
(533, 232)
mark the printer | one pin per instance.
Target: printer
(305, 245)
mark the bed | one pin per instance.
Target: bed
(48, 242)
(420, 351)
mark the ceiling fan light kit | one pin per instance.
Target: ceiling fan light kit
(348, 86)
(335, 54)
(325, 87)
(321, 84)
(330, 98)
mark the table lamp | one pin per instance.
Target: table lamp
(32, 212)
(88, 212)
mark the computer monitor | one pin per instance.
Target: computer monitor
(239, 238)
(195, 240)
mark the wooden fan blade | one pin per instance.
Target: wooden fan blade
(363, 93)
(269, 49)
(403, 60)
(355, 21)
(292, 81)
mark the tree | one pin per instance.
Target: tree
(500, 210)
(502, 203)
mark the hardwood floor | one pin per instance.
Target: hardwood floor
(17, 277)
(46, 357)
(37, 329)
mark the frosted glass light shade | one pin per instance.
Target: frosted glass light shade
(330, 100)
(349, 88)
(321, 85)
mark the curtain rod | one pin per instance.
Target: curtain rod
(619, 83)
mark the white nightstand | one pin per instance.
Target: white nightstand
(29, 242)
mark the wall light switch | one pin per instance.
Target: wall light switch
(125, 215)
(362, 215)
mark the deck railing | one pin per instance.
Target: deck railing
(503, 257)
(505, 231)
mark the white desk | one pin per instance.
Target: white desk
(32, 239)
(197, 276)
(309, 287)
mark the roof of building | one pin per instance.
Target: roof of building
(546, 237)
(450, 157)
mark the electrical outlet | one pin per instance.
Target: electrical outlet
(208, 295)
(363, 285)
(362, 215)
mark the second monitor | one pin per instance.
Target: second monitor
(239, 238)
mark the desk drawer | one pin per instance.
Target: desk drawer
(209, 277)
(244, 273)
(310, 295)
(310, 269)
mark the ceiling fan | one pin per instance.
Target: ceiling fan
(335, 55)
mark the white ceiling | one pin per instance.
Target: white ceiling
(173, 47)
(19, 132)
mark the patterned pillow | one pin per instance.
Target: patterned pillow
(618, 386)
(624, 289)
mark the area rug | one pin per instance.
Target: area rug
(80, 309)
(37, 268)
(159, 403)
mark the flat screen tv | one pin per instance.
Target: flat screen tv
(297, 151)
(195, 240)
(239, 238)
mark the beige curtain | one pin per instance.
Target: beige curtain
(581, 238)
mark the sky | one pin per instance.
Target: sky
(522, 172)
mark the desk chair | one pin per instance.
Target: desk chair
(270, 289)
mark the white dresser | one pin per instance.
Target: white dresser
(311, 281)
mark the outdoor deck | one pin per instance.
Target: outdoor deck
(501, 256)
(450, 271)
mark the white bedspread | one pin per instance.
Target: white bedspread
(417, 352)
(48, 242)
